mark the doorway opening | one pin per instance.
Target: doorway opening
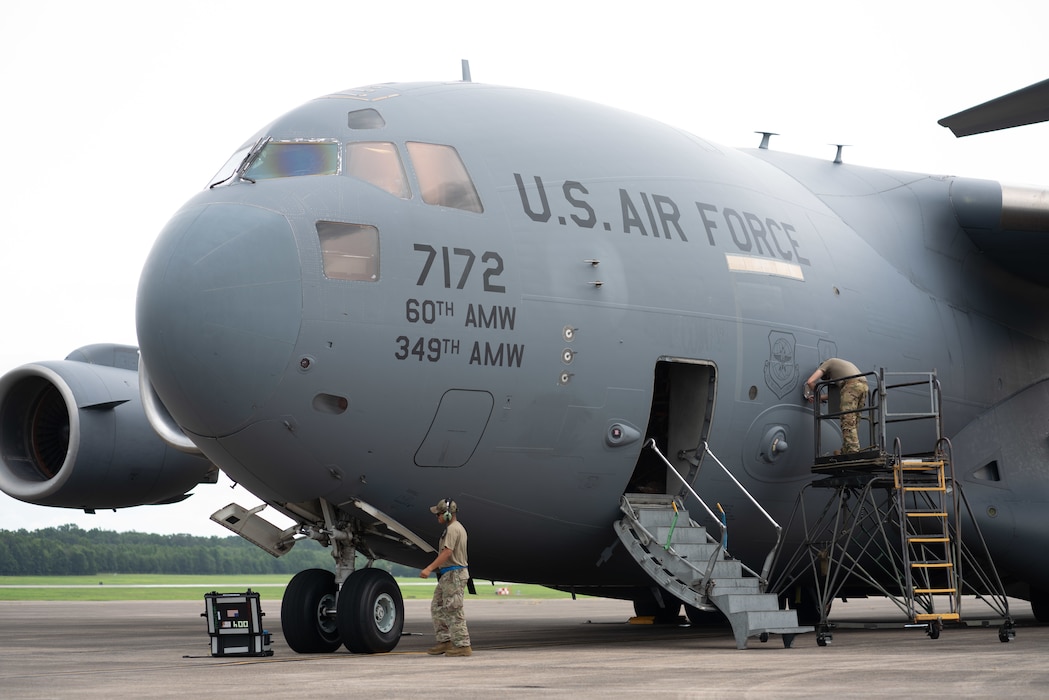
(679, 422)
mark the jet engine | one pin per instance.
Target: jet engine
(73, 434)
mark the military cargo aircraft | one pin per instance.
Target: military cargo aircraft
(535, 306)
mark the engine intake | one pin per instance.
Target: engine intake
(73, 434)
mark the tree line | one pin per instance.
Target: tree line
(68, 550)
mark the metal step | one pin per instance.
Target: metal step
(757, 615)
(747, 585)
(743, 602)
(693, 572)
(683, 534)
(695, 552)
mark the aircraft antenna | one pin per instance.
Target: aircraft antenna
(837, 156)
(466, 71)
(765, 136)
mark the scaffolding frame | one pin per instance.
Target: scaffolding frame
(892, 522)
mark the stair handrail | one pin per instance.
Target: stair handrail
(655, 448)
(707, 574)
(767, 567)
(890, 382)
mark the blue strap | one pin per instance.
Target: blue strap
(442, 572)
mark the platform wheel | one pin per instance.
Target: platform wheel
(823, 635)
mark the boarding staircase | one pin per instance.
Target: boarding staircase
(685, 560)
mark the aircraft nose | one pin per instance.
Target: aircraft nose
(218, 313)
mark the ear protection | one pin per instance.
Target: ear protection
(447, 510)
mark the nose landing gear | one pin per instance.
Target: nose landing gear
(366, 615)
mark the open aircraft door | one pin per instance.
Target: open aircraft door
(679, 422)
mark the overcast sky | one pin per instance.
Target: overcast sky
(115, 113)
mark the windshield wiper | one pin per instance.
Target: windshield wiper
(250, 158)
(250, 154)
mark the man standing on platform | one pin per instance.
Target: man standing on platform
(853, 389)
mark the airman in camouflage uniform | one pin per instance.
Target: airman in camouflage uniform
(446, 609)
(853, 397)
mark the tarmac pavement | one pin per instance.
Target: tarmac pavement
(522, 648)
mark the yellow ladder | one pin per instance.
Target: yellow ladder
(928, 552)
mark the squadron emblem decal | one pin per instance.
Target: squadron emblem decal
(781, 371)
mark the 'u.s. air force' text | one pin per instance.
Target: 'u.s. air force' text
(659, 216)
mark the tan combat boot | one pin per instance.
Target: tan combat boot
(459, 651)
(441, 648)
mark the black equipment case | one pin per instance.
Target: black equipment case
(235, 624)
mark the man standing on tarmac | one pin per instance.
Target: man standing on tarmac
(449, 621)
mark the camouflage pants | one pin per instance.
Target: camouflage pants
(853, 398)
(449, 621)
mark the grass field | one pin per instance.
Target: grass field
(173, 587)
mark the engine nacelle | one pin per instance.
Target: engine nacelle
(73, 434)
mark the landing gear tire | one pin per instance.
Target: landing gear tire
(305, 617)
(370, 614)
(1040, 604)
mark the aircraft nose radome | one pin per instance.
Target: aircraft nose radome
(218, 314)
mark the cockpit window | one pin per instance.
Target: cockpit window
(349, 251)
(294, 159)
(378, 164)
(365, 119)
(228, 170)
(443, 177)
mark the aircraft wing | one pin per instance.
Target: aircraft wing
(1007, 223)
(1029, 105)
